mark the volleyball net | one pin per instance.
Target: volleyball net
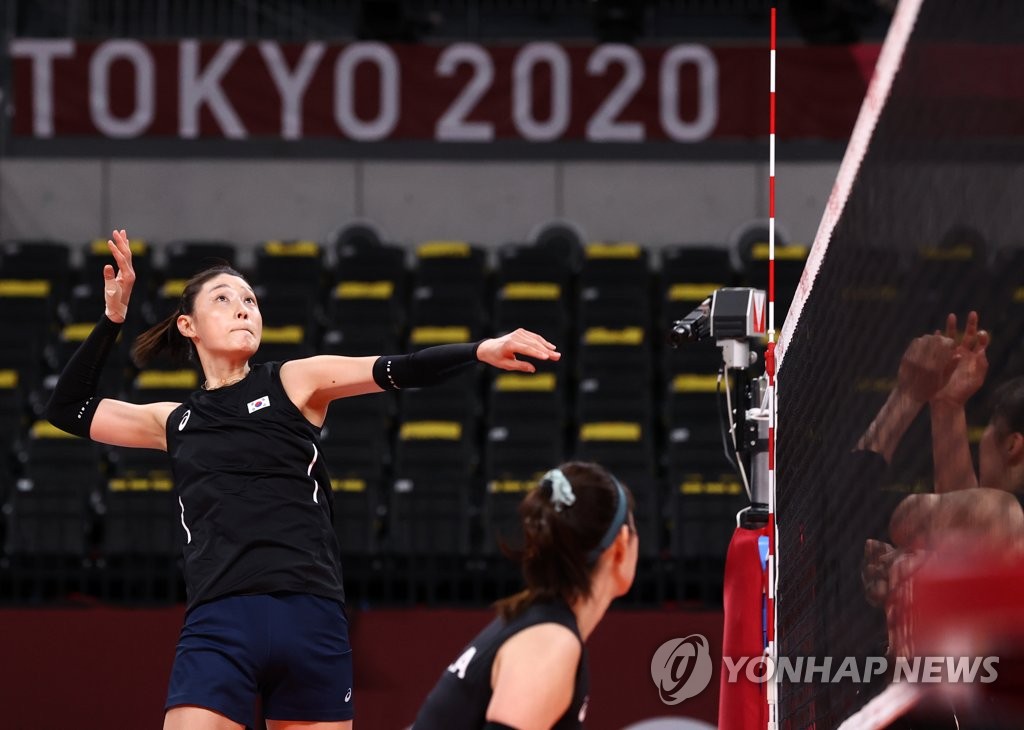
(926, 219)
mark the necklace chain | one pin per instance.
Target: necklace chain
(226, 383)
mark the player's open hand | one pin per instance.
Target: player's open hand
(926, 366)
(501, 352)
(971, 361)
(117, 287)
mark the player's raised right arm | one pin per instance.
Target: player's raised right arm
(74, 407)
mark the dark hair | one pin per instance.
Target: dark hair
(556, 557)
(164, 335)
(1008, 405)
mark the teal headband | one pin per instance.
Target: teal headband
(616, 524)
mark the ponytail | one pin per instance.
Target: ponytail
(162, 337)
(565, 521)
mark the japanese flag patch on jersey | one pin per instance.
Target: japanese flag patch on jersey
(261, 402)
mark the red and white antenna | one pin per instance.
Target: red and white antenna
(771, 568)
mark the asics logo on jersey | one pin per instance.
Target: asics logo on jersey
(259, 403)
(583, 708)
(348, 695)
(184, 420)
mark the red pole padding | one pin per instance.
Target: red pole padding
(742, 703)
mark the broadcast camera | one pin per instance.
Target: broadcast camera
(734, 317)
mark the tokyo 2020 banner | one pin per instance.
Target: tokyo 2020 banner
(541, 92)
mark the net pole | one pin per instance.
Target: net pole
(771, 614)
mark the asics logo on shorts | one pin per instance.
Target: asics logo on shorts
(348, 695)
(184, 420)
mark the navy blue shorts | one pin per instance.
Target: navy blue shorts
(290, 650)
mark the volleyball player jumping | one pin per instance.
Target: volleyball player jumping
(265, 615)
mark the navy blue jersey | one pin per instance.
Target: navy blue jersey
(460, 698)
(255, 495)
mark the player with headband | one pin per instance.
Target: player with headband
(579, 553)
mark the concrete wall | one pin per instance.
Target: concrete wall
(490, 202)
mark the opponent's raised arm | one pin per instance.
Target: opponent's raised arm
(954, 468)
(74, 406)
(925, 368)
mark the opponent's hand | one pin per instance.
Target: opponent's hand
(971, 362)
(926, 366)
(900, 600)
(874, 570)
(117, 289)
(501, 351)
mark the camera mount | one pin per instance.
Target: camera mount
(734, 317)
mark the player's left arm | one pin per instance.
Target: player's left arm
(312, 383)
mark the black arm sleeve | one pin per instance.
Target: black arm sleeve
(859, 509)
(860, 478)
(492, 725)
(73, 403)
(429, 366)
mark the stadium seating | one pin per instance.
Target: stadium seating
(449, 287)
(366, 305)
(526, 433)
(33, 276)
(533, 290)
(432, 474)
(357, 450)
(437, 455)
(49, 509)
(141, 511)
(184, 259)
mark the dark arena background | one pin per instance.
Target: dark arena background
(393, 174)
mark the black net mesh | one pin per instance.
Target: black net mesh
(933, 225)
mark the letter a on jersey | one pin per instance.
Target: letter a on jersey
(460, 665)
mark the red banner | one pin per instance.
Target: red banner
(463, 92)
